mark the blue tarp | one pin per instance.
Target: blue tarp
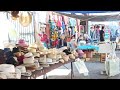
(88, 47)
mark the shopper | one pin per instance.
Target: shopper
(102, 34)
(73, 43)
(97, 30)
(68, 39)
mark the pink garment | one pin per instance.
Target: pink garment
(59, 24)
(43, 37)
(47, 17)
(55, 17)
(66, 20)
(80, 53)
(78, 24)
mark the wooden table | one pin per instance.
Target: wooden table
(45, 70)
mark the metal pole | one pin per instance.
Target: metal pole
(72, 74)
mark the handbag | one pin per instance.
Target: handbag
(112, 67)
(81, 67)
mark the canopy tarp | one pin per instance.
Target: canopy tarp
(85, 12)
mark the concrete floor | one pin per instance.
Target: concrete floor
(95, 67)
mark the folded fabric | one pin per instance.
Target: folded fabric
(15, 50)
(9, 54)
(6, 50)
(11, 60)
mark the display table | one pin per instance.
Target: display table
(87, 49)
(44, 71)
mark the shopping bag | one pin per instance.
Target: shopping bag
(112, 67)
(81, 67)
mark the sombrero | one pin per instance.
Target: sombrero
(25, 19)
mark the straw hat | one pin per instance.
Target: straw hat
(9, 71)
(25, 19)
(29, 58)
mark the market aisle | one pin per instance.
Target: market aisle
(94, 67)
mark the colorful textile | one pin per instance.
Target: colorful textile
(52, 25)
(63, 25)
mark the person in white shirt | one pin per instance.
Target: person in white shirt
(73, 43)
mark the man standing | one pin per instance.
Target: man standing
(102, 33)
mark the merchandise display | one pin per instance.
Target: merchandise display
(57, 39)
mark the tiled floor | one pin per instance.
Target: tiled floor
(94, 67)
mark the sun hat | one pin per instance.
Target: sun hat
(9, 71)
(22, 43)
(25, 19)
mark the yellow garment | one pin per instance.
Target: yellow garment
(13, 33)
(76, 29)
(55, 36)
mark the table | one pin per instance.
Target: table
(88, 49)
(45, 70)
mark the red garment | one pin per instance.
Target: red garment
(59, 24)
(47, 30)
(44, 38)
(56, 42)
(20, 59)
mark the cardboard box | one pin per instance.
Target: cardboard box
(88, 59)
(102, 57)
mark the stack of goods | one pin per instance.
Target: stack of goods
(29, 62)
(17, 53)
(8, 71)
(22, 45)
(33, 48)
(2, 56)
(67, 55)
(23, 70)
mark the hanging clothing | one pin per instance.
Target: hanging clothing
(66, 20)
(52, 25)
(59, 23)
(47, 30)
(72, 22)
(63, 25)
(55, 18)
